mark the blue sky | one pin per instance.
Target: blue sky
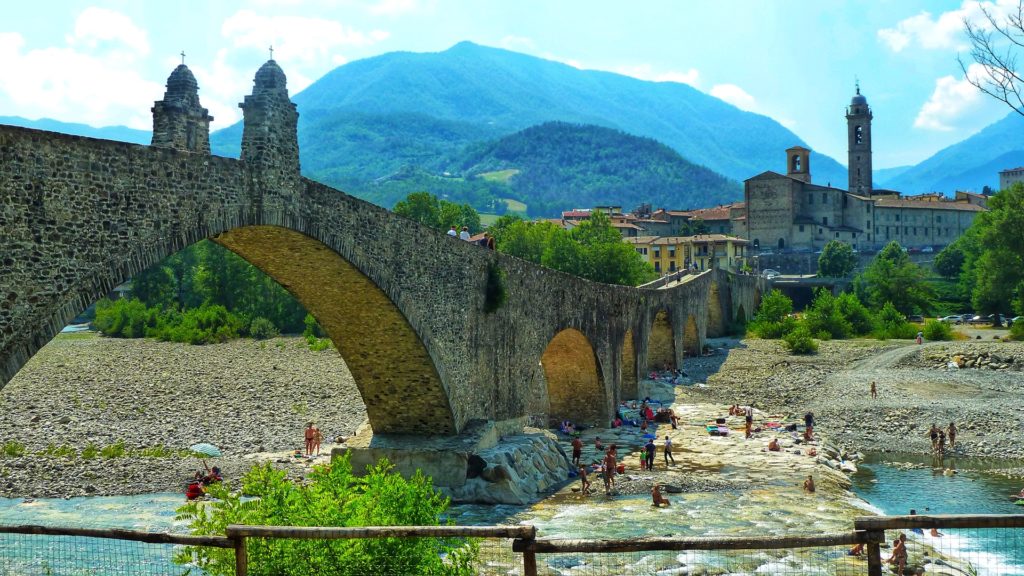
(104, 62)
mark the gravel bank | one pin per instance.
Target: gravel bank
(251, 399)
(915, 389)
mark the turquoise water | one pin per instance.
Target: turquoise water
(900, 483)
(892, 486)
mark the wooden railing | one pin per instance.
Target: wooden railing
(869, 531)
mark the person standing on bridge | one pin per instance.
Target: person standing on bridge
(464, 235)
(453, 232)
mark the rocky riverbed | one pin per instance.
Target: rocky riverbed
(251, 399)
(916, 387)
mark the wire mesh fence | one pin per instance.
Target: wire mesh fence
(834, 561)
(45, 555)
(982, 551)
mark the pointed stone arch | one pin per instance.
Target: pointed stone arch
(661, 344)
(629, 379)
(691, 336)
(574, 380)
(741, 315)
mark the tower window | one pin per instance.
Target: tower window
(796, 163)
(858, 136)
(824, 198)
(824, 220)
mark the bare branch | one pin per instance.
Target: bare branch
(995, 45)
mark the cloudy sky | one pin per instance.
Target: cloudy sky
(104, 62)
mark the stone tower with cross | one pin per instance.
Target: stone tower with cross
(179, 120)
(858, 128)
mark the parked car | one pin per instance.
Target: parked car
(991, 319)
(915, 318)
(767, 253)
(914, 250)
(951, 319)
(927, 250)
(979, 319)
(966, 318)
(1014, 320)
(769, 273)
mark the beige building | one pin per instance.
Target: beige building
(787, 212)
(1010, 177)
(671, 253)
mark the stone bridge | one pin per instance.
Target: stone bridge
(439, 334)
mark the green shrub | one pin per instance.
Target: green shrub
(333, 496)
(891, 324)
(13, 449)
(90, 451)
(1017, 331)
(773, 319)
(825, 317)
(54, 451)
(799, 341)
(313, 329)
(161, 451)
(861, 320)
(319, 344)
(262, 329)
(115, 450)
(204, 325)
(935, 330)
(124, 318)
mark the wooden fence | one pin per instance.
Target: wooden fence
(869, 531)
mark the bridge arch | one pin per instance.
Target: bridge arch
(716, 319)
(575, 385)
(741, 315)
(661, 343)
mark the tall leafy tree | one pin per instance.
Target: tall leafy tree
(837, 260)
(892, 277)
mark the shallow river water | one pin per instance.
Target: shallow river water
(891, 486)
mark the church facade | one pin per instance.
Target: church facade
(788, 212)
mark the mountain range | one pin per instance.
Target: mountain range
(379, 126)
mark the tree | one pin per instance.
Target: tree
(893, 278)
(995, 43)
(693, 227)
(950, 260)
(837, 260)
(422, 207)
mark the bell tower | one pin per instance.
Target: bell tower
(858, 127)
(798, 163)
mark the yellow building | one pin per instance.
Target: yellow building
(671, 253)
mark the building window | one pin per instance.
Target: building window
(801, 227)
(657, 266)
(938, 219)
(915, 230)
(906, 230)
(671, 252)
(897, 217)
(867, 208)
(819, 231)
(824, 220)
(837, 234)
(672, 266)
(657, 252)
(824, 198)
(810, 198)
(858, 136)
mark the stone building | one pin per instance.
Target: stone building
(1010, 176)
(704, 251)
(787, 212)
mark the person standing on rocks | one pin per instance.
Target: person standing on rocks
(651, 450)
(318, 438)
(749, 417)
(577, 451)
(310, 435)
(933, 433)
(609, 471)
(951, 432)
(584, 483)
(668, 451)
(874, 390)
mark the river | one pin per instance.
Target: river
(889, 483)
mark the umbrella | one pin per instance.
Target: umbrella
(205, 449)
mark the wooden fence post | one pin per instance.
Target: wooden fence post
(874, 538)
(527, 545)
(241, 554)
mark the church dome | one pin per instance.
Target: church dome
(858, 99)
(181, 81)
(270, 77)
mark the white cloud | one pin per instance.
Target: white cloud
(951, 102)
(944, 32)
(518, 43)
(295, 39)
(94, 79)
(734, 95)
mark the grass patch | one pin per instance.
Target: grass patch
(161, 451)
(13, 449)
(115, 450)
(515, 205)
(54, 451)
(90, 451)
(502, 176)
(77, 335)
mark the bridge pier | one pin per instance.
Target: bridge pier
(489, 462)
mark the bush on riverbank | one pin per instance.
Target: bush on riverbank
(774, 317)
(800, 341)
(332, 497)
(129, 318)
(935, 330)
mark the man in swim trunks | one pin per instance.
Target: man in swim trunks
(668, 451)
(577, 451)
(584, 483)
(933, 433)
(609, 472)
(951, 432)
(309, 436)
(809, 484)
(874, 390)
(657, 498)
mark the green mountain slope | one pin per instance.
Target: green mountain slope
(560, 165)
(969, 164)
(475, 93)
